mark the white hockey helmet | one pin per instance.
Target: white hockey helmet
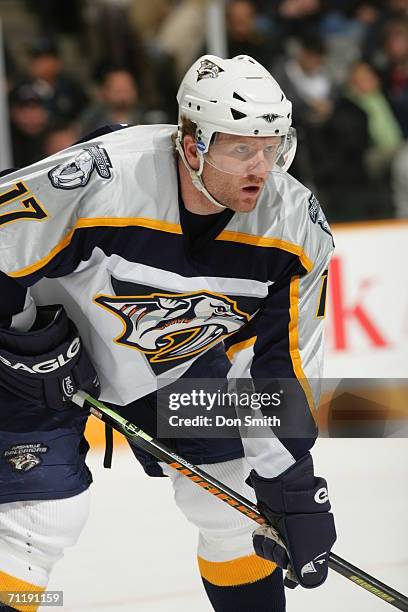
(236, 96)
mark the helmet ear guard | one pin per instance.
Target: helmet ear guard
(195, 175)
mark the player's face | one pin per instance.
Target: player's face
(236, 168)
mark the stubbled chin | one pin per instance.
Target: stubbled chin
(246, 205)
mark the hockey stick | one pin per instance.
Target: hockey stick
(141, 439)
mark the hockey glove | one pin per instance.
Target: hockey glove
(301, 529)
(49, 363)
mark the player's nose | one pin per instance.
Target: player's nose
(258, 165)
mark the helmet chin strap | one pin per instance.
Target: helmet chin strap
(195, 175)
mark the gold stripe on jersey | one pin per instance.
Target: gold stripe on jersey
(11, 584)
(243, 570)
(321, 303)
(240, 346)
(265, 241)
(164, 226)
(294, 341)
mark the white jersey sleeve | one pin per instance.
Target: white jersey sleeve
(285, 340)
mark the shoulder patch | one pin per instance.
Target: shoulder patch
(77, 172)
(317, 215)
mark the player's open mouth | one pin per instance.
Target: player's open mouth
(251, 189)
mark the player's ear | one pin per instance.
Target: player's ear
(190, 151)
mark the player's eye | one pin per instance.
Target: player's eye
(242, 149)
(270, 150)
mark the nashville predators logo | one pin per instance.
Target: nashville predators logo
(168, 327)
(25, 457)
(208, 70)
(25, 463)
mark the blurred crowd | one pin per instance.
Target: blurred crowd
(343, 63)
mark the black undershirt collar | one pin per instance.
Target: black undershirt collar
(198, 230)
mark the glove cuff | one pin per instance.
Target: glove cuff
(47, 365)
(50, 329)
(24, 352)
(295, 491)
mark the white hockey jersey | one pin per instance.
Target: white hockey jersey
(101, 223)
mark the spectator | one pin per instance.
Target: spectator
(351, 30)
(400, 182)
(152, 66)
(362, 137)
(364, 89)
(182, 34)
(118, 102)
(148, 15)
(370, 17)
(344, 179)
(28, 123)
(244, 38)
(60, 136)
(297, 16)
(305, 81)
(62, 94)
(395, 74)
(399, 8)
(58, 17)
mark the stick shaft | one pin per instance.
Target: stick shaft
(137, 436)
(141, 439)
(365, 581)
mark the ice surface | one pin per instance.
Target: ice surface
(137, 552)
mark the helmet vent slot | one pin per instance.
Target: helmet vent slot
(238, 97)
(237, 114)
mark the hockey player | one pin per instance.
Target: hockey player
(184, 252)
